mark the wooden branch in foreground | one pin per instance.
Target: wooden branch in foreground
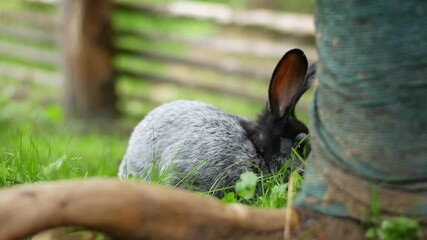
(133, 210)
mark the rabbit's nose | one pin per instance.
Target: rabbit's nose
(302, 144)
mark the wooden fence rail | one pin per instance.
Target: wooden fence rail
(198, 63)
(29, 34)
(192, 85)
(285, 23)
(30, 75)
(34, 55)
(33, 18)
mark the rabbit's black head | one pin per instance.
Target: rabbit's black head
(277, 129)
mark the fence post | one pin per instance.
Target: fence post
(86, 40)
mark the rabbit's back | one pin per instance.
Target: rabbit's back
(181, 135)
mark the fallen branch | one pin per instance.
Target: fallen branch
(131, 210)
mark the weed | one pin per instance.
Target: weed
(245, 188)
(396, 228)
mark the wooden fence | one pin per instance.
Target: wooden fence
(205, 47)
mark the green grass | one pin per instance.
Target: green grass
(379, 227)
(37, 144)
(263, 190)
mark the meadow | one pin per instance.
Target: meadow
(38, 143)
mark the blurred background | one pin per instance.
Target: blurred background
(77, 75)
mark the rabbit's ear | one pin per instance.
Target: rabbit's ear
(286, 83)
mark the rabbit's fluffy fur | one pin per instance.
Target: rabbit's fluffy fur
(209, 148)
(216, 137)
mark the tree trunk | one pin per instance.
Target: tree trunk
(86, 38)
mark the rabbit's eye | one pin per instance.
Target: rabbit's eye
(299, 147)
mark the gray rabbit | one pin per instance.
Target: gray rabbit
(203, 147)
